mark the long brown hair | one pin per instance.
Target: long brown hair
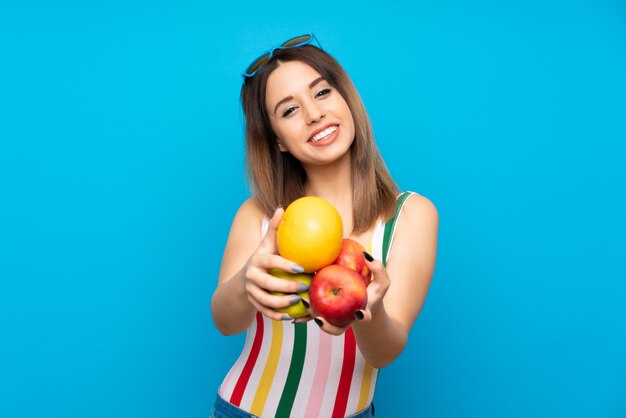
(277, 178)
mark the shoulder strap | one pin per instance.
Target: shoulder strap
(390, 226)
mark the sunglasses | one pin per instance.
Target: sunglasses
(267, 55)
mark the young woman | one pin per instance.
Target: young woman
(307, 133)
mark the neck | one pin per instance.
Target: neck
(333, 182)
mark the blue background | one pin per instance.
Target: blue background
(121, 168)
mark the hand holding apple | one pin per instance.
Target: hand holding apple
(336, 293)
(377, 288)
(375, 292)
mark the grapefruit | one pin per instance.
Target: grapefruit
(310, 233)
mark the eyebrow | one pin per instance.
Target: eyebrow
(286, 99)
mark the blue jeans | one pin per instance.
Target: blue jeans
(223, 409)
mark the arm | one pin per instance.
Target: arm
(394, 304)
(410, 266)
(244, 282)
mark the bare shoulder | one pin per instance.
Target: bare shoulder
(249, 214)
(243, 239)
(418, 211)
(250, 206)
(416, 233)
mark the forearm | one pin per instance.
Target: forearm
(232, 311)
(381, 339)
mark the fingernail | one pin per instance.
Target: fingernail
(359, 315)
(368, 257)
(302, 287)
(306, 304)
(286, 318)
(318, 322)
(294, 299)
(297, 269)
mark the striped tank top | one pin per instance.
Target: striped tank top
(297, 370)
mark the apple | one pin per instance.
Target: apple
(336, 293)
(297, 310)
(351, 256)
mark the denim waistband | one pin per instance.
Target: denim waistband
(224, 409)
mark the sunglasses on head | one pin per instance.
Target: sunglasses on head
(267, 55)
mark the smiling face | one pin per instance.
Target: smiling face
(311, 120)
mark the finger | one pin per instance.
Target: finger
(270, 261)
(272, 301)
(375, 266)
(363, 315)
(270, 313)
(269, 241)
(310, 316)
(302, 319)
(307, 304)
(328, 327)
(378, 270)
(278, 213)
(272, 283)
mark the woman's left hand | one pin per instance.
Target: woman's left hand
(376, 291)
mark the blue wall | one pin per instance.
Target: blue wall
(121, 169)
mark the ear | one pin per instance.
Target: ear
(281, 147)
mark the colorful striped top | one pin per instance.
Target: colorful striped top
(288, 370)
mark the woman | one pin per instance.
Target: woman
(307, 133)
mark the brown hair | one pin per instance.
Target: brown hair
(277, 178)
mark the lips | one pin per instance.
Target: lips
(323, 132)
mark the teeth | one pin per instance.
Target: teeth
(324, 133)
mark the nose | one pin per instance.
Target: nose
(314, 112)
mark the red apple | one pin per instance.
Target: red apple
(336, 293)
(351, 256)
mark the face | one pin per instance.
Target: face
(310, 118)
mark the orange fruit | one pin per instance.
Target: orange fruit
(310, 233)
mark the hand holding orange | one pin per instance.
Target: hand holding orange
(310, 234)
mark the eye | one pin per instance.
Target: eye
(323, 92)
(288, 111)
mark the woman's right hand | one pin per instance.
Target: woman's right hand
(259, 283)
